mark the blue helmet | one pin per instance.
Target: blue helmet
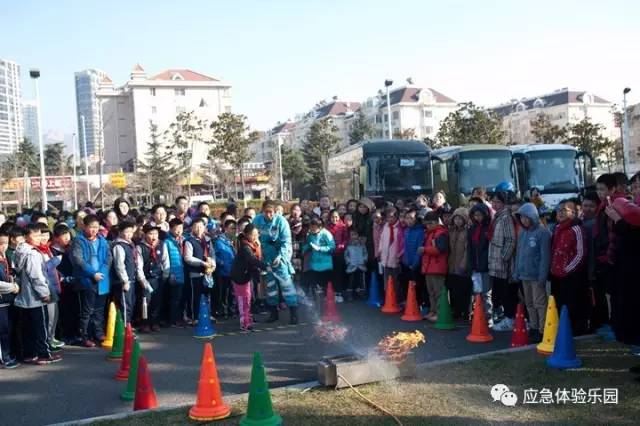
(504, 187)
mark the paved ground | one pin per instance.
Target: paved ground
(82, 385)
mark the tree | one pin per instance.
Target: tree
(360, 130)
(157, 170)
(54, 159)
(587, 136)
(182, 135)
(471, 124)
(230, 141)
(26, 159)
(406, 134)
(321, 141)
(294, 169)
(546, 132)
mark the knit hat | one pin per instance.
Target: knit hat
(365, 201)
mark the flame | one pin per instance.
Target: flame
(397, 346)
(330, 332)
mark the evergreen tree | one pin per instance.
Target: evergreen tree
(294, 169)
(181, 137)
(320, 143)
(54, 159)
(546, 132)
(361, 129)
(157, 170)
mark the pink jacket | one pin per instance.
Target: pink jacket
(377, 232)
(390, 253)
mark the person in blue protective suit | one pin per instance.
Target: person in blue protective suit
(275, 239)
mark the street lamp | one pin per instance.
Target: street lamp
(387, 84)
(625, 130)
(75, 175)
(279, 141)
(35, 75)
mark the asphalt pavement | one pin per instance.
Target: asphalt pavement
(83, 384)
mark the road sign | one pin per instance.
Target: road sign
(118, 180)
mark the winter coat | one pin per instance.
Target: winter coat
(196, 253)
(390, 253)
(225, 253)
(355, 257)
(478, 241)
(413, 239)
(376, 233)
(176, 262)
(83, 272)
(340, 234)
(320, 259)
(568, 248)
(502, 245)
(6, 288)
(275, 240)
(246, 265)
(436, 252)
(458, 258)
(31, 275)
(362, 223)
(603, 234)
(533, 255)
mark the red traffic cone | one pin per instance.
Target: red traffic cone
(330, 310)
(145, 398)
(411, 310)
(479, 328)
(390, 302)
(125, 363)
(519, 337)
(209, 402)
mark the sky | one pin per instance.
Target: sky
(281, 57)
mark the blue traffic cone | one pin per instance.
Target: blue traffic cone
(374, 292)
(564, 352)
(204, 328)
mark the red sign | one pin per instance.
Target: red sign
(53, 183)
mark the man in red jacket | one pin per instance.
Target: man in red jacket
(568, 266)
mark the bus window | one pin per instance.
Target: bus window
(484, 168)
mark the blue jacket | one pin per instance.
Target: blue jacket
(275, 239)
(413, 239)
(176, 264)
(321, 259)
(225, 253)
(83, 272)
(533, 255)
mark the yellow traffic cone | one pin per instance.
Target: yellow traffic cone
(550, 329)
(111, 326)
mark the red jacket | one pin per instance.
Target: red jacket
(436, 252)
(568, 248)
(340, 234)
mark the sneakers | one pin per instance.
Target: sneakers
(88, 343)
(56, 343)
(54, 349)
(504, 325)
(43, 360)
(10, 364)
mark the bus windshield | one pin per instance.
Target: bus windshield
(484, 168)
(398, 174)
(552, 172)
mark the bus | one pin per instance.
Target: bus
(459, 169)
(381, 170)
(558, 171)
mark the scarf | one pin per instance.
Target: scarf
(46, 250)
(391, 233)
(255, 248)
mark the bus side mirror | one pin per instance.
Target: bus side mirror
(443, 171)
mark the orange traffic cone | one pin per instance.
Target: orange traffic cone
(479, 328)
(520, 337)
(145, 398)
(390, 302)
(330, 310)
(125, 363)
(411, 310)
(209, 402)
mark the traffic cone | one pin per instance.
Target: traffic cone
(479, 328)
(130, 391)
(564, 351)
(445, 317)
(204, 328)
(519, 337)
(118, 339)
(145, 398)
(374, 291)
(259, 411)
(209, 402)
(111, 325)
(390, 302)
(125, 364)
(550, 328)
(330, 313)
(411, 310)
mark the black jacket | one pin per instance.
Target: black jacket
(246, 266)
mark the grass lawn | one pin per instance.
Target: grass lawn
(458, 393)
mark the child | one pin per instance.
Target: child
(16, 236)
(245, 269)
(532, 267)
(434, 260)
(34, 295)
(458, 281)
(174, 246)
(225, 252)
(8, 291)
(153, 270)
(355, 257)
(340, 235)
(125, 270)
(413, 242)
(320, 245)
(68, 304)
(478, 254)
(391, 249)
(199, 258)
(55, 287)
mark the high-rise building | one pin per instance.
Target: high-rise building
(88, 106)
(30, 121)
(10, 106)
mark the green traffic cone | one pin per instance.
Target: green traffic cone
(445, 318)
(260, 411)
(130, 392)
(118, 339)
